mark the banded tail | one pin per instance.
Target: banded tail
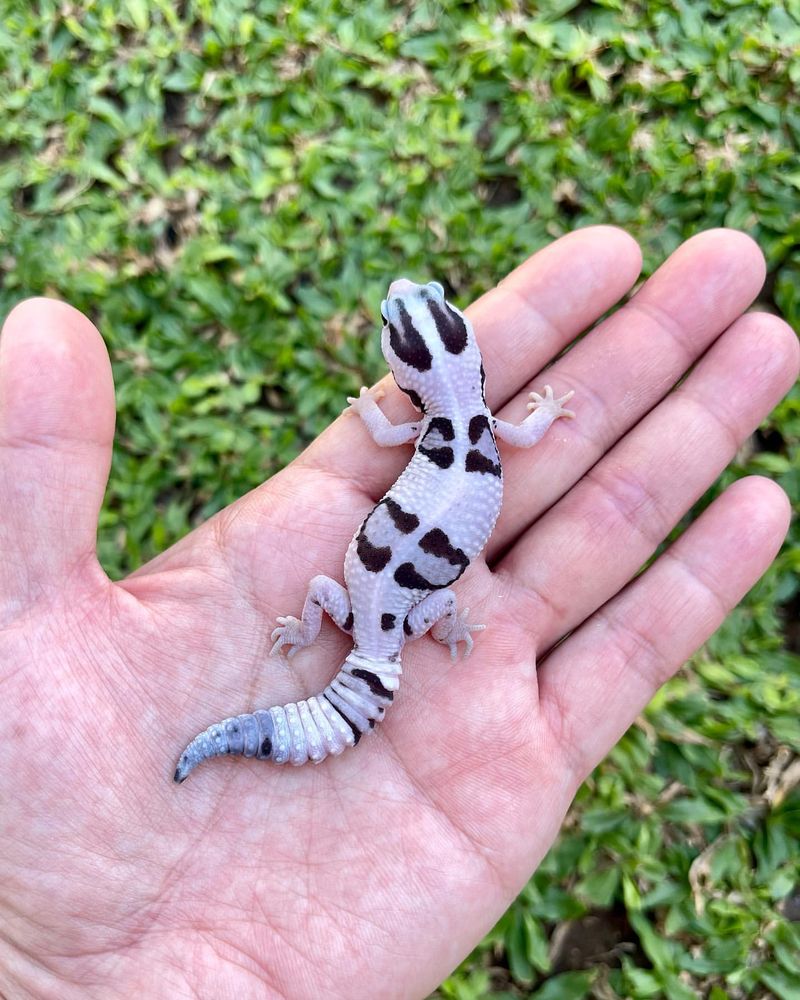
(312, 729)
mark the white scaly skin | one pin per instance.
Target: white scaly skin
(414, 544)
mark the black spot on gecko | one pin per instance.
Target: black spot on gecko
(387, 622)
(406, 575)
(403, 521)
(356, 731)
(443, 426)
(477, 425)
(374, 557)
(440, 429)
(450, 326)
(408, 344)
(436, 543)
(374, 682)
(347, 624)
(484, 458)
(478, 462)
(443, 457)
(483, 382)
(413, 396)
(406, 627)
(266, 747)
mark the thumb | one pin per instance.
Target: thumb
(56, 432)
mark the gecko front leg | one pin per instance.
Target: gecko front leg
(545, 411)
(382, 431)
(438, 614)
(324, 594)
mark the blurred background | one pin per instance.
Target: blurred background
(226, 189)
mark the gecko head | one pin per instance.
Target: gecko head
(428, 343)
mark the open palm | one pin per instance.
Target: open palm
(374, 873)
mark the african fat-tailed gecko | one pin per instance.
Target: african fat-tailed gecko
(412, 547)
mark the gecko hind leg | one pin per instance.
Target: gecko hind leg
(438, 613)
(324, 594)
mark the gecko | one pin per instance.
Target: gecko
(411, 548)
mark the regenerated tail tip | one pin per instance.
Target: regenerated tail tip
(182, 770)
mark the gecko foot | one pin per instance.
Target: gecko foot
(366, 398)
(452, 630)
(289, 633)
(548, 402)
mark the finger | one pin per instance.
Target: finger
(520, 325)
(56, 431)
(592, 542)
(592, 687)
(622, 369)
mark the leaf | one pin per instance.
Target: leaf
(567, 986)
(139, 13)
(696, 810)
(599, 888)
(783, 984)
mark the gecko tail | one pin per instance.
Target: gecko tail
(244, 735)
(308, 730)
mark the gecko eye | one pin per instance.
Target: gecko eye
(384, 314)
(437, 287)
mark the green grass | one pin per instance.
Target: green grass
(226, 188)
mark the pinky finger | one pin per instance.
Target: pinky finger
(593, 685)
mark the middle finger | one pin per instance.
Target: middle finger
(625, 366)
(593, 541)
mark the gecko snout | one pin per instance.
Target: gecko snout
(401, 286)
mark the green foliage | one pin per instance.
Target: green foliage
(226, 188)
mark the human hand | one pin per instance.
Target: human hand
(374, 873)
